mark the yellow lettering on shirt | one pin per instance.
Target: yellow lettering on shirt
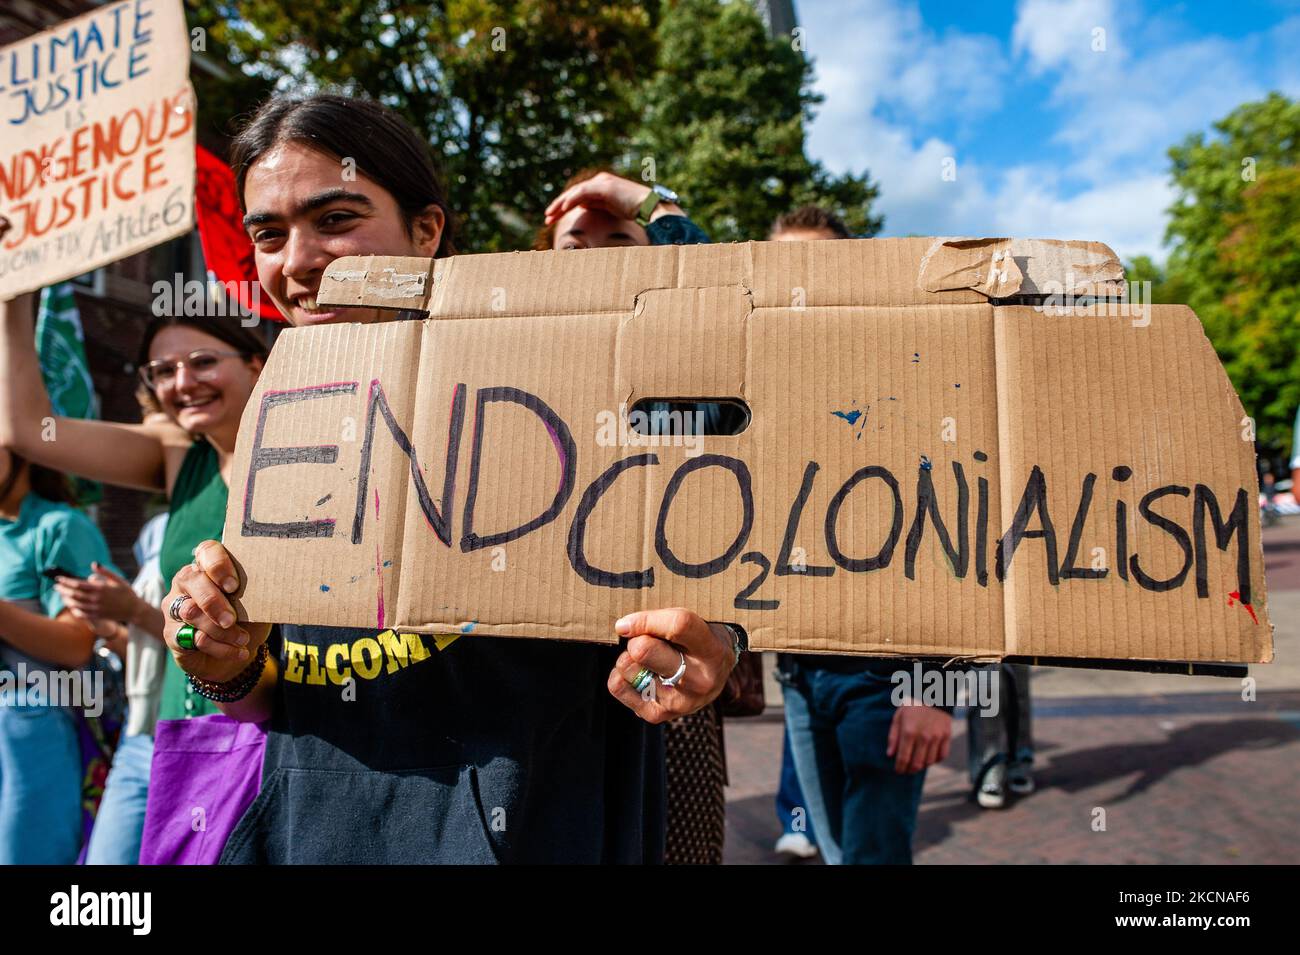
(333, 654)
(402, 649)
(387, 652)
(294, 653)
(315, 675)
(367, 658)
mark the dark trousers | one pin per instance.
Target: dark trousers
(1008, 736)
(863, 811)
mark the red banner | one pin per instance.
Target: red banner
(227, 250)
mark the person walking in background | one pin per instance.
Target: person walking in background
(860, 759)
(1295, 459)
(42, 538)
(1002, 746)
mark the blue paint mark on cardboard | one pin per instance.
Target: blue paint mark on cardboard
(855, 417)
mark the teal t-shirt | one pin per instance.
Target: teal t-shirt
(46, 536)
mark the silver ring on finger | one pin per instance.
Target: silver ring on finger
(676, 677)
(174, 611)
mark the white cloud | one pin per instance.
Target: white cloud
(1053, 32)
(1115, 111)
(1128, 214)
(892, 84)
(878, 53)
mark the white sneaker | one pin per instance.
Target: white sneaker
(993, 794)
(796, 844)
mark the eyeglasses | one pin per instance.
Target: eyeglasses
(202, 364)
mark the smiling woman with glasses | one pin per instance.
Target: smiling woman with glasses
(199, 370)
(202, 364)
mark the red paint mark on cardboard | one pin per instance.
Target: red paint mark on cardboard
(1235, 597)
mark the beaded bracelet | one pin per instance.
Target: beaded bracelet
(236, 689)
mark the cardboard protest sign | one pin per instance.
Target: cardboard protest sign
(932, 464)
(97, 154)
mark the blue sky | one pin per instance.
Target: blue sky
(1051, 138)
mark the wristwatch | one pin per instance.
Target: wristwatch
(658, 193)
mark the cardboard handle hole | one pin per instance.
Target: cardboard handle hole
(676, 417)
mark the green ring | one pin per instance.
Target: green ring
(185, 637)
(642, 680)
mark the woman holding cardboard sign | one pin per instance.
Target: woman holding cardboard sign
(478, 750)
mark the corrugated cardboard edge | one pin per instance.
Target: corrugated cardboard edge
(378, 281)
(1003, 267)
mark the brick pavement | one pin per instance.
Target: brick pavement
(1185, 770)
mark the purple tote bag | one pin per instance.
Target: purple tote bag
(206, 771)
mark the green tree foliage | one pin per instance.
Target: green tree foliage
(517, 95)
(723, 122)
(1211, 174)
(513, 95)
(222, 88)
(1166, 288)
(1234, 233)
(1258, 322)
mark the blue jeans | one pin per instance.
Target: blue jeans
(119, 824)
(864, 812)
(789, 796)
(40, 786)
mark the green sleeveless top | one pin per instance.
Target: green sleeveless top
(198, 513)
